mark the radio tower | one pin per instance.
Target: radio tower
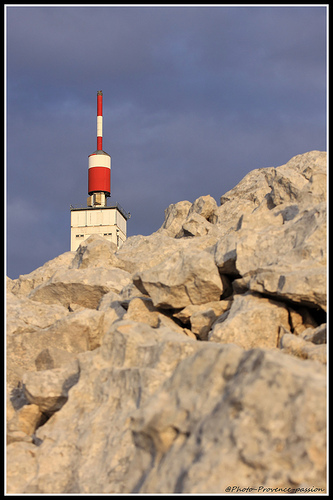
(98, 218)
(99, 169)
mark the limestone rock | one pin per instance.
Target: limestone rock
(27, 282)
(142, 309)
(174, 217)
(276, 245)
(303, 173)
(24, 423)
(206, 207)
(21, 466)
(139, 253)
(200, 218)
(185, 278)
(84, 287)
(252, 321)
(95, 251)
(24, 315)
(87, 446)
(109, 390)
(230, 417)
(130, 292)
(195, 225)
(112, 300)
(75, 333)
(53, 357)
(201, 317)
(315, 335)
(48, 389)
(142, 252)
(242, 199)
(297, 271)
(298, 346)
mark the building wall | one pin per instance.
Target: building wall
(107, 222)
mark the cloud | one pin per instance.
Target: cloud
(194, 98)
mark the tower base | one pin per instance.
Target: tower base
(109, 222)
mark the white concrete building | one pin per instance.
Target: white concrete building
(109, 222)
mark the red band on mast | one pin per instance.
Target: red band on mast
(100, 104)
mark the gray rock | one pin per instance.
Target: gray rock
(316, 335)
(228, 417)
(275, 242)
(206, 207)
(95, 251)
(251, 321)
(27, 282)
(299, 347)
(174, 217)
(195, 225)
(74, 333)
(48, 389)
(84, 287)
(24, 315)
(297, 271)
(142, 252)
(91, 431)
(201, 317)
(185, 278)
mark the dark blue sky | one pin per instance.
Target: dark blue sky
(194, 98)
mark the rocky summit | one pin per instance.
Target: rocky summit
(190, 361)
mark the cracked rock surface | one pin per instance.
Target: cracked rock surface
(188, 360)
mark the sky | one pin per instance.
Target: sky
(194, 97)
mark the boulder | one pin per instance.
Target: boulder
(142, 309)
(195, 225)
(245, 197)
(201, 317)
(185, 278)
(287, 261)
(139, 253)
(21, 466)
(112, 300)
(23, 424)
(48, 389)
(87, 446)
(232, 417)
(206, 207)
(27, 282)
(84, 287)
(53, 357)
(143, 252)
(252, 321)
(24, 315)
(316, 335)
(174, 217)
(200, 218)
(276, 245)
(302, 178)
(74, 333)
(298, 346)
(95, 251)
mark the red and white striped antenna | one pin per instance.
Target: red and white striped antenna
(99, 120)
(99, 168)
